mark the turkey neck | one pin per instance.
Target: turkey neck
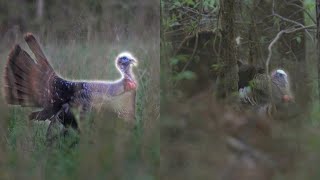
(128, 74)
(105, 89)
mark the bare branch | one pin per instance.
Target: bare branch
(193, 35)
(303, 9)
(286, 31)
(291, 21)
(193, 53)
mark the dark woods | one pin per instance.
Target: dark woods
(210, 51)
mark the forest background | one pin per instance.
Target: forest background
(202, 41)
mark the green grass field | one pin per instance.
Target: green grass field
(108, 148)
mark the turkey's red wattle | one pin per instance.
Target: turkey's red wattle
(130, 85)
(287, 98)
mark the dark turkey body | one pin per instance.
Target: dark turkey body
(64, 91)
(62, 96)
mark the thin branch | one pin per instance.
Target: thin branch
(291, 21)
(303, 9)
(294, 22)
(193, 53)
(286, 31)
(187, 38)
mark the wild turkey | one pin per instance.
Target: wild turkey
(247, 73)
(34, 83)
(255, 92)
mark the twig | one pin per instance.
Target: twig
(182, 43)
(187, 38)
(289, 20)
(286, 31)
(294, 22)
(303, 9)
(193, 52)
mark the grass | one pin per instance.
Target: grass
(109, 149)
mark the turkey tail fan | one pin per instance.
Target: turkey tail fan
(37, 51)
(25, 81)
(17, 89)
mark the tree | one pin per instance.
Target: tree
(40, 10)
(318, 40)
(228, 74)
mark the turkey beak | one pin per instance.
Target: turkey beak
(134, 62)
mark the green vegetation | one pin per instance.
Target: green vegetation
(108, 148)
(196, 129)
(81, 40)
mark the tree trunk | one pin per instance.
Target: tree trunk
(318, 43)
(254, 34)
(228, 76)
(40, 7)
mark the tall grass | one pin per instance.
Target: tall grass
(108, 148)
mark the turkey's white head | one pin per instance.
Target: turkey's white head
(280, 78)
(124, 62)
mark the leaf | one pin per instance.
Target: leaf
(187, 75)
(309, 4)
(276, 21)
(177, 3)
(174, 61)
(252, 84)
(179, 58)
(189, 2)
(298, 39)
(263, 39)
(216, 67)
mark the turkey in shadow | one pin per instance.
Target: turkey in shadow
(253, 90)
(247, 73)
(34, 83)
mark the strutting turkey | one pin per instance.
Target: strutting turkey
(254, 91)
(34, 83)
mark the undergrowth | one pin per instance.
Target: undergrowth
(110, 148)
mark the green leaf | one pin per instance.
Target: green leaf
(189, 2)
(187, 75)
(179, 58)
(252, 84)
(298, 39)
(177, 3)
(263, 39)
(174, 61)
(216, 67)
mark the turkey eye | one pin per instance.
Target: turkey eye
(279, 74)
(124, 59)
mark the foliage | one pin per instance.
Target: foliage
(192, 127)
(81, 40)
(96, 148)
(181, 22)
(309, 14)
